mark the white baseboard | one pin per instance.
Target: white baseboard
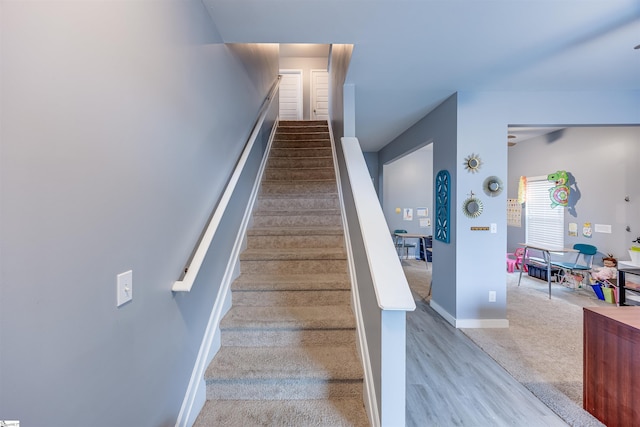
(468, 323)
(482, 323)
(442, 312)
(196, 394)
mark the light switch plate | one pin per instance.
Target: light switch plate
(124, 287)
(494, 227)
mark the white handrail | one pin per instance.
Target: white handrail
(390, 284)
(192, 270)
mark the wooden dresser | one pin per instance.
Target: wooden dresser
(611, 354)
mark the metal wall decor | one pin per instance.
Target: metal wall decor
(472, 207)
(443, 206)
(472, 163)
(492, 186)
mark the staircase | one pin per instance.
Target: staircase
(288, 355)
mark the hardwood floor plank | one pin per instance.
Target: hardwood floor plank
(452, 382)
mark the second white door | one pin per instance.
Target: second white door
(319, 95)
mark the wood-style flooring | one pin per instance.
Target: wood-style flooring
(452, 382)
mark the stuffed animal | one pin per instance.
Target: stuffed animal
(609, 271)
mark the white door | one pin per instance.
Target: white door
(319, 95)
(291, 95)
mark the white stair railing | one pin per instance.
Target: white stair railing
(190, 272)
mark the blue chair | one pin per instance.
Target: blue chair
(581, 265)
(402, 244)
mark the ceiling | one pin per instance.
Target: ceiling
(410, 55)
(299, 50)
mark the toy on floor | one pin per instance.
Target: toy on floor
(609, 271)
(515, 262)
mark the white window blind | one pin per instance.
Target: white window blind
(544, 224)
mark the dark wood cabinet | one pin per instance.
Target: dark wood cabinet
(611, 377)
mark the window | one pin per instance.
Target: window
(544, 224)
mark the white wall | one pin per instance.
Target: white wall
(604, 161)
(121, 122)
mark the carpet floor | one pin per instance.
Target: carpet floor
(542, 348)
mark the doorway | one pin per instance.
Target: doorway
(291, 95)
(319, 95)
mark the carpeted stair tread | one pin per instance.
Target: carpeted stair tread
(301, 152)
(302, 123)
(293, 254)
(297, 203)
(320, 363)
(233, 413)
(300, 162)
(299, 188)
(284, 389)
(298, 198)
(288, 317)
(287, 337)
(294, 231)
(308, 212)
(309, 143)
(291, 298)
(257, 241)
(288, 346)
(299, 174)
(302, 136)
(296, 219)
(267, 282)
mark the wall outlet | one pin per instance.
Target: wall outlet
(492, 296)
(124, 287)
(494, 228)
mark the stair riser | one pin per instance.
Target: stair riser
(288, 242)
(296, 221)
(285, 124)
(290, 298)
(281, 389)
(294, 189)
(299, 203)
(300, 162)
(301, 136)
(299, 174)
(294, 267)
(285, 338)
(308, 143)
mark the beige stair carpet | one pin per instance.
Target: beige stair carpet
(288, 355)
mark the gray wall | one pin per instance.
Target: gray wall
(465, 270)
(371, 313)
(604, 163)
(339, 58)
(372, 165)
(439, 128)
(408, 183)
(121, 122)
